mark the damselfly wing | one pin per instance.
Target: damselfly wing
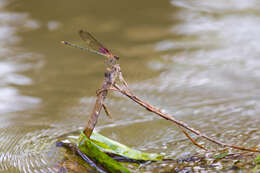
(95, 46)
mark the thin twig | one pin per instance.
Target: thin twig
(179, 123)
(110, 77)
(106, 111)
(193, 141)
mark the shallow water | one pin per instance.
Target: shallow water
(196, 60)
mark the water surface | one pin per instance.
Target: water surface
(196, 60)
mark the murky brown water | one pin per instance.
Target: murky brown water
(197, 60)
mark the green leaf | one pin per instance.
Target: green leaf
(111, 146)
(91, 150)
(257, 160)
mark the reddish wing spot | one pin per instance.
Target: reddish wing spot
(104, 50)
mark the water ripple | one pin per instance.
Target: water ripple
(30, 152)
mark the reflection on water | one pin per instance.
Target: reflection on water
(197, 60)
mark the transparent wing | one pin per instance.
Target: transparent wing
(92, 43)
